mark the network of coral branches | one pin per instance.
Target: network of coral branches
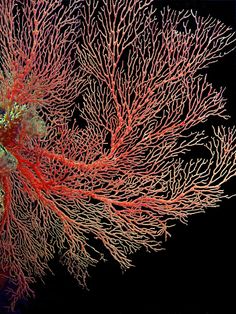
(99, 103)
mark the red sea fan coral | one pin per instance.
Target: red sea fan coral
(126, 173)
(37, 83)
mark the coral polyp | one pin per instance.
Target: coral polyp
(18, 121)
(10, 123)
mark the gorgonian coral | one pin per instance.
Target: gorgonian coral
(123, 173)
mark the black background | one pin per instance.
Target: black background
(195, 274)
